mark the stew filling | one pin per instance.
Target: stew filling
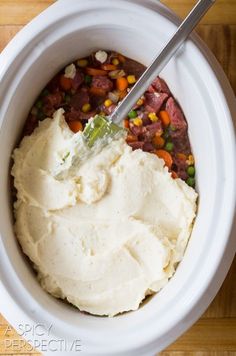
(96, 84)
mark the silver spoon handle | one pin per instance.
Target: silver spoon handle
(161, 60)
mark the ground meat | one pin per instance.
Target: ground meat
(97, 101)
(136, 145)
(53, 100)
(160, 86)
(72, 115)
(148, 147)
(77, 80)
(133, 68)
(180, 167)
(154, 101)
(102, 82)
(177, 118)
(79, 99)
(145, 146)
(152, 130)
(48, 110)
(182, 144)
(54, 84)
(30, 125)
(78, 115)
(136, 130)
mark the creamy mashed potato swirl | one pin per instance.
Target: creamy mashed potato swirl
(103, 230)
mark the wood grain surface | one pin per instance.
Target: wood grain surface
(215, 333)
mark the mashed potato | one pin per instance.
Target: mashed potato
(103, 230)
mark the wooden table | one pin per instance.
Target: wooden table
(215, 333)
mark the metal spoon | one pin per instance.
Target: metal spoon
(102, 128)
(161, 60)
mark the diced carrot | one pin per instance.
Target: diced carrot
(158, 141)
(121, 58)
(65, 83)
(174, 174)
(95, 71)
(97, 91)
(109, 67)
(181, 156)
(126, 123)
(122, 83)
(165, 156)
(122, 94)
(131, 138)
(75, 126)
(164, 116)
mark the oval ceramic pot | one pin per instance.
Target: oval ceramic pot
(70, 29)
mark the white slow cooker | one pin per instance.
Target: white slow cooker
(138, 28)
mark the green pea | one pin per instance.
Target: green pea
(40, 115)
(169, 146)
(166, 134)
(67, 98)
(45, 92)
(132, 114)
(88, 79)
(191, 171)
(39, 104)
(190, 181)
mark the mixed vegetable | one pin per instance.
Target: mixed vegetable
(95, 85)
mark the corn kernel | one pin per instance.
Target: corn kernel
(115, 61)
(82, 63)
(86, 107)
(152, 116)
(107, 103)
(140, 102)
(190, 160)
(137, 121)
(131, 79)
